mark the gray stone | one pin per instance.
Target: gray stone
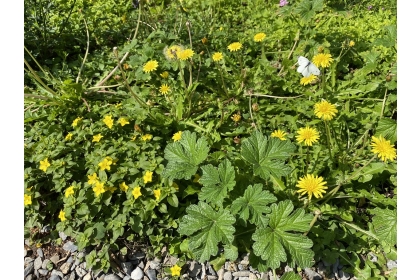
(137, 273)
(112, 277)
(54, 259)
(211, 277)
(56, 272)
(80, 271)
(210, 269)
(28, 260)
(70, 247)
(27, 243)
(83, 265)
(55, 277)
(203, 271)
(36, 273)
(72, 276)
(194, 269)
(44, 263)
(66, 277)
(220, 273)
(391, 264)
(81, 254)
(154, 265)
(46, 229)
(127, 267)
(29, 269)
(87, 277)
(288, 269)
(264, 276)
(252, 276)
(227, 275)
(271, 276)
(37, 263)
(243, 278)
(127, 278)
(65, 267)
(343, 275)
(151, 274)
(136, 256)
(120, 274)
(40, 252)
(25, 253)
(312, 275)
(241, 267)
(62, 235)
(43, 272)
(70, 260)
(243, 273)
(29, 277)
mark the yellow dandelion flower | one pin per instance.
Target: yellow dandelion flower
(307, 80)
(150, 66)
(177, 136)
(352, 43)
(147, 137)
(93, 179)
(164, 89)
(157, 194)
(136, 192)
(383, 148)
(236, 117)
(172, 52)
(323, 59)
(147, 177)
(185, 54)
(311, 185)
(76, 122)
(105, 164)
(62, 215)
(68, 136)
(259, 37)
(175, 270)
(69, 191)
(44, 164)
(108, 121)
(235, 47)
(164, 74)
(217, 56)
(279, 134)
(97, 137)
(27, 200)
(325, 110)
(307, 135)
(123, 187)
(123, 121)
(99, 188)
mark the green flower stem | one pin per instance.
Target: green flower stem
(323, 81)
(327, 128)
(263, 52)
(221, 75)
(307, 160)
(314, 219)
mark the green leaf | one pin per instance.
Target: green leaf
(231, 252)
(184, 156)
(173, 200)
(99, 230)
(385, 224)
(218, 263)
(206, 228)
(265, 156)
(290, 276)
(254, 202)
(388, 129)
(217, 182)
(272, 242)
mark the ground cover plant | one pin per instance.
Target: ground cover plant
(214, 129)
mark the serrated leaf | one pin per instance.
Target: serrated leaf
(217, 182)
(253, 203)
(267, 156)
(206, 228)
(290, 276)
(385, 225)
(184, 156)
(231, 252)
(388, 129)
(272, 242)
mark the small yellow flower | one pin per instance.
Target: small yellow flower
(352, 43)
(217, 56)
(323, 59)
(164, 89)
(177, 136)
(133, 138)
(76, 122)
(93, 179)
(147, 177)
(157, 194)
(99, 188)
(38, 245)
(136, 192)
(259, 37)
(185, 54)
(307, 135)
(307, 80)
(164, 74)
(172, 52)
(235, 46)
(105, 164)
(325, 110)
(44, 164)
(123, 187)
(97, 137)
(150, 66)
(176, 270)
(69, 191)
(108, 121)
(27, 199)
(123, 121)
(68, 136)
(312, 185)
(279, 134)
(236, 117)
(383, 148)
(111, 189)
(62, 215)
(147, 137)
(204, 40)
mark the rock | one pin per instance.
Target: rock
(55, 277)
(203, 271)
(69, 246)
(264, 276)
(220, 273)
(137, 273)
(37, 263)
(210, 269)
(112, 277)
(391, 264)
(312, 275)
(81, 255)
(27, 243)
(243, 273)
(136, 256)
(127, 267)
(46, 229)
(154, 265)
(80, 271)
(29, 269)
(29, 277)
(65, 267)
(211, 277)
(170, 260)
(227, 275)
(151, 274)
(252, 276)
(243, 278)
(120, 274)
(194, 269)
(288, 269)
(87, 277)
(40, 253)
(25, 253)
(230, 266)
(44, 263)
(271, 276)
(342, 275)
(62, 235)
(127, 278)
(72, 275)
(56, 272)
(28, 260)
(70, 260)
(54, 259)
(83, 265)
(43, 272)
(36, 273)
(241, 267)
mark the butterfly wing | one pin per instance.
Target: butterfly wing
(303, 66)
(312, 69)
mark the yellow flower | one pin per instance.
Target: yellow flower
(307, 80)
(111, 189)
(325, 110)
(235, 46)
(164, 75)
(322, 59)
(147, 177)
(217, 56)
(150, 66)
(312, 185)
(204, 40)
(236, 117)
(136, 192)
(76, 122)
(97, 137)
(172, 52)
(307, 135)
(177, 136)
(123, 121)
(108, 121)
(68, 136)
(69, 191)
(62, 215)
(44, 164)
(27, 199)
(133, 138)
(279, 134)
(105, 164)
(176, 270)
(99, 188)
(352, 43)
(164, 89)
(93, 179)
(147, 137)
(383, 148)
(185, 54)
(259, 37)
(157, 194)
(123, 187)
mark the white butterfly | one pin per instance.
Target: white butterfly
(306, 67)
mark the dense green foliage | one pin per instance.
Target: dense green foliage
(205, 152)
